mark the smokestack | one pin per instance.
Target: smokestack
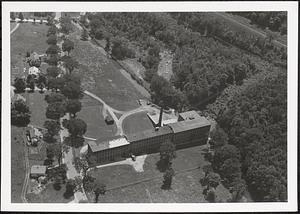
(160, 117)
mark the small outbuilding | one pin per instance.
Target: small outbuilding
(37, 170)
(109, 120)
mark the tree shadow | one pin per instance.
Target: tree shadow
(162, 165)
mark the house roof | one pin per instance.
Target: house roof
(37, 169)
(189, 115)
(189, 124)
(150, 133)
(107, 143)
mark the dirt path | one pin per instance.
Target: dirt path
(26, 179)
(15, 28)
(249, 28)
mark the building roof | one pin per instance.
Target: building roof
(189, 115)
(33, 70)
(107, 143)
(37, 169)
(189, 124)
(166, 118)
(149, 133)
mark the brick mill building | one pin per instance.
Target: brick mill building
(190, 130)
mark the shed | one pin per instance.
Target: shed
(37, 171)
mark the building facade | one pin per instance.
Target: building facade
(189, 131)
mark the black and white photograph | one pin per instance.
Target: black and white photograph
(149, 106)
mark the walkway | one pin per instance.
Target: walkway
(26, 179)
(124, 114)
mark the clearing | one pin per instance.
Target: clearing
(124, 184)
(102, 76)
(91, 113)
(17, 164)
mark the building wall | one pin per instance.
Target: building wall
(184, 139)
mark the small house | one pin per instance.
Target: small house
(37, 170)
(33, 71)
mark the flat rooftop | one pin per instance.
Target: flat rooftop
(149, 133)
(189, 124)
(38, 169)
(189, 115)
(108, 143)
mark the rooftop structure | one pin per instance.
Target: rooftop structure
(38, 170)
(189, 124)
(166, 118)
(188, 115)
(108, 143)
(149, 133)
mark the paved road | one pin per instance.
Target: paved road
(249, 28)
(26, 179)
(68, 160)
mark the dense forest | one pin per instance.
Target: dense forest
(275, 21)
(210, 56)
(256, 123)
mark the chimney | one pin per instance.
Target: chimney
(160, 117)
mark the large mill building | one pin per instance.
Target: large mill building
(190, 130)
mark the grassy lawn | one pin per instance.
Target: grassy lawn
(12, 25)
(17, 164)
(136, 123)
(49, 195)
(28, 37)
(185, 187)
(91, 113)
(37, 105)
(102, 76)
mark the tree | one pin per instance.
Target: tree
(30, 82)
(74, 141)
(53, 71)
(41, 82)
(19, 85)
(230, 170)
(219, 137)
(238, 190)
(56, 149)
(70, 188)
(53, 50)
(168, 176)
(100, 189)
(88, 183)
(20, 114)
(68, 45)
(55, 97)
(84, 35)
(21, 17)
(52, 30)
(167, 153)
(211, 196)
(52, 39)
(52, 126)
(12, 16)
(52, 60)
(71, 90)
(70, 63)
(225, 152)
(81, 165)
(73, 106)
(66, 25)
(56, 83)
(76, 127)
(55, 110)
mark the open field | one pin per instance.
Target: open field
(37, 106)
(12, 25)
(17, 164)
(49, 195)
(102, 76)
(91, 113)
(28, 37)
(130, 186)
(136, 123)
